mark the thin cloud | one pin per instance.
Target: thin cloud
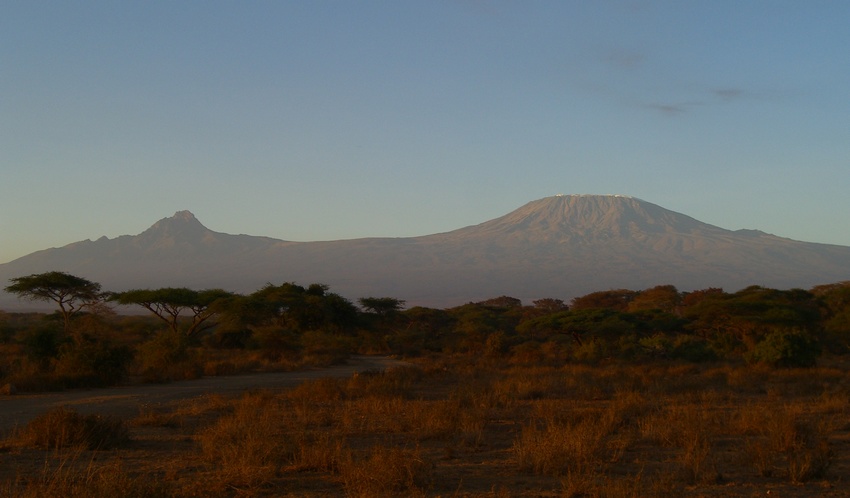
(625, 59)
(715, 96)
(669, 109)
(626, 74)
(728, 94)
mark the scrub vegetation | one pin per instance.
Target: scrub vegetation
(618, 393)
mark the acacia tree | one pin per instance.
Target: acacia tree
(169, 303)
(292, 307)
(382, 306)
(73, 294)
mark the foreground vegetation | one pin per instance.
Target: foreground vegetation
(456, 427)
(190, 333)
(617, 393)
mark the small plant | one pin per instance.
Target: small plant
(698, 465)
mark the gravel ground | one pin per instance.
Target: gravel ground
(125, 401)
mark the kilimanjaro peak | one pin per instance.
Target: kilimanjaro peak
(587, 217)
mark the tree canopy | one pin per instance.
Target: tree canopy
(292, 307)
(381, 306)
(169, 303)
(73, 294)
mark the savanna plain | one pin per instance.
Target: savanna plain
(611, 395)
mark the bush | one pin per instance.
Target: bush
(496, 345)
(656, 346)
(94, 363)
(786, 348)
(322, 348)
(692, 349)
(224, 338)
(42, 344)
(591, 351)
(276, 342)
(164, 357)
(526, 352)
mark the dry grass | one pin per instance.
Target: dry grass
(69, 479)
(65, 428)
(786, 441)
(457, 429)
(386, 471)
(248, 445)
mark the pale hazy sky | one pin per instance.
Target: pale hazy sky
(319, 120)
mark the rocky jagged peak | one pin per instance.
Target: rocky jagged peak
(184, 216)
(182, 225)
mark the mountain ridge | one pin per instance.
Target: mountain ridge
(560, 246)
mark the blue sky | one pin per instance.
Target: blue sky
(321, 120)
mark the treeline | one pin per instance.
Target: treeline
(208, 332)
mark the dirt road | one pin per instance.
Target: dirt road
(125, 401)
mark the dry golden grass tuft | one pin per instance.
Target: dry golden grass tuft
(786, 441)
(247, 445)
(65, 428)
(384, 471)
(70, 479)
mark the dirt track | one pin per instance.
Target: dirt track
(16, 411)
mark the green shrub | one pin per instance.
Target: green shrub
(692, 349)
(627, 347)
(94, 363)
(526, 352)
(42, 344)
(496, 345)
(591, 351)
(786, 348)
(657, 346)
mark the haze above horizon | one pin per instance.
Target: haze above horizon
(337, 120)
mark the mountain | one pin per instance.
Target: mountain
(561, 247)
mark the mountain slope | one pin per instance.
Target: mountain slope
(560, 246)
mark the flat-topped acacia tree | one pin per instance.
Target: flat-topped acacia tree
(73, 294)
(382, 306)
(169, 303)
